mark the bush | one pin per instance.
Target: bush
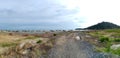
(39, 41)
(104, 39)
(54, 34)
(117, 51)
(117, 40)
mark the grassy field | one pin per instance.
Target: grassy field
(105, 39)
(19, 44)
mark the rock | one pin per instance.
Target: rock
(25, 52)
(22, 45)
(77, 38)
(27, 44)
(114, 47)
(25, 47)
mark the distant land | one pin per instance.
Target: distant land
(100, 26)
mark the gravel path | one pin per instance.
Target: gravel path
(72, 48)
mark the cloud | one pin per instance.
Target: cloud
(67, 13)
(95, 11)
(45, 14)
(34, 11)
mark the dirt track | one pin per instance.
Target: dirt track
(68, 47)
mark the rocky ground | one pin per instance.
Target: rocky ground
(60, 45)
(74, 47)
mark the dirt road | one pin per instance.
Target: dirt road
(68, 46)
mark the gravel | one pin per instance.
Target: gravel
(76, 49)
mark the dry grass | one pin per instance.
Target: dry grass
(10, 42)
(9, 38)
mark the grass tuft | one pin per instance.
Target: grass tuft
(39, 41)
(104, 39)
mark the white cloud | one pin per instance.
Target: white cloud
(94, 11)
(81, 13)
(100, 10)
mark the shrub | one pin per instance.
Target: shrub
(117, 40)
(117, 51)
(39, 41)
(54, 34)
(11, 34)
(104, 39)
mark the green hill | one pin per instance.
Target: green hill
(103, 25)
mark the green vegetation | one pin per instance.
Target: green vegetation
(109, 50)
(113, 30)
(116, 40)
(31, 37)
(7, 44)
(117, 51)
(54, 34)
(106, 39)
(39, 41)
(103, 25)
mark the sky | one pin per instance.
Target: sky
(58, 14)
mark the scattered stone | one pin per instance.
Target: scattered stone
(114, 47)
(77, 38)
(21, 45)
(25, 52)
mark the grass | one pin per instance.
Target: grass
(116, 35)
(108, 44)
(117, 51)
(113, 30)
(103, 39)
(116, 40)
(106, 38)
(108, 50)
(39, 41)
(31, 37)
(7, 44)
(107, 41)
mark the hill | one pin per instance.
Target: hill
(103, 25)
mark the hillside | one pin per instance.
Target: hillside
(103, 25)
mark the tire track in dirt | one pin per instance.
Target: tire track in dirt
(68, 49)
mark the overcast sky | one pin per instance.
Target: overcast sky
(59, 13)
